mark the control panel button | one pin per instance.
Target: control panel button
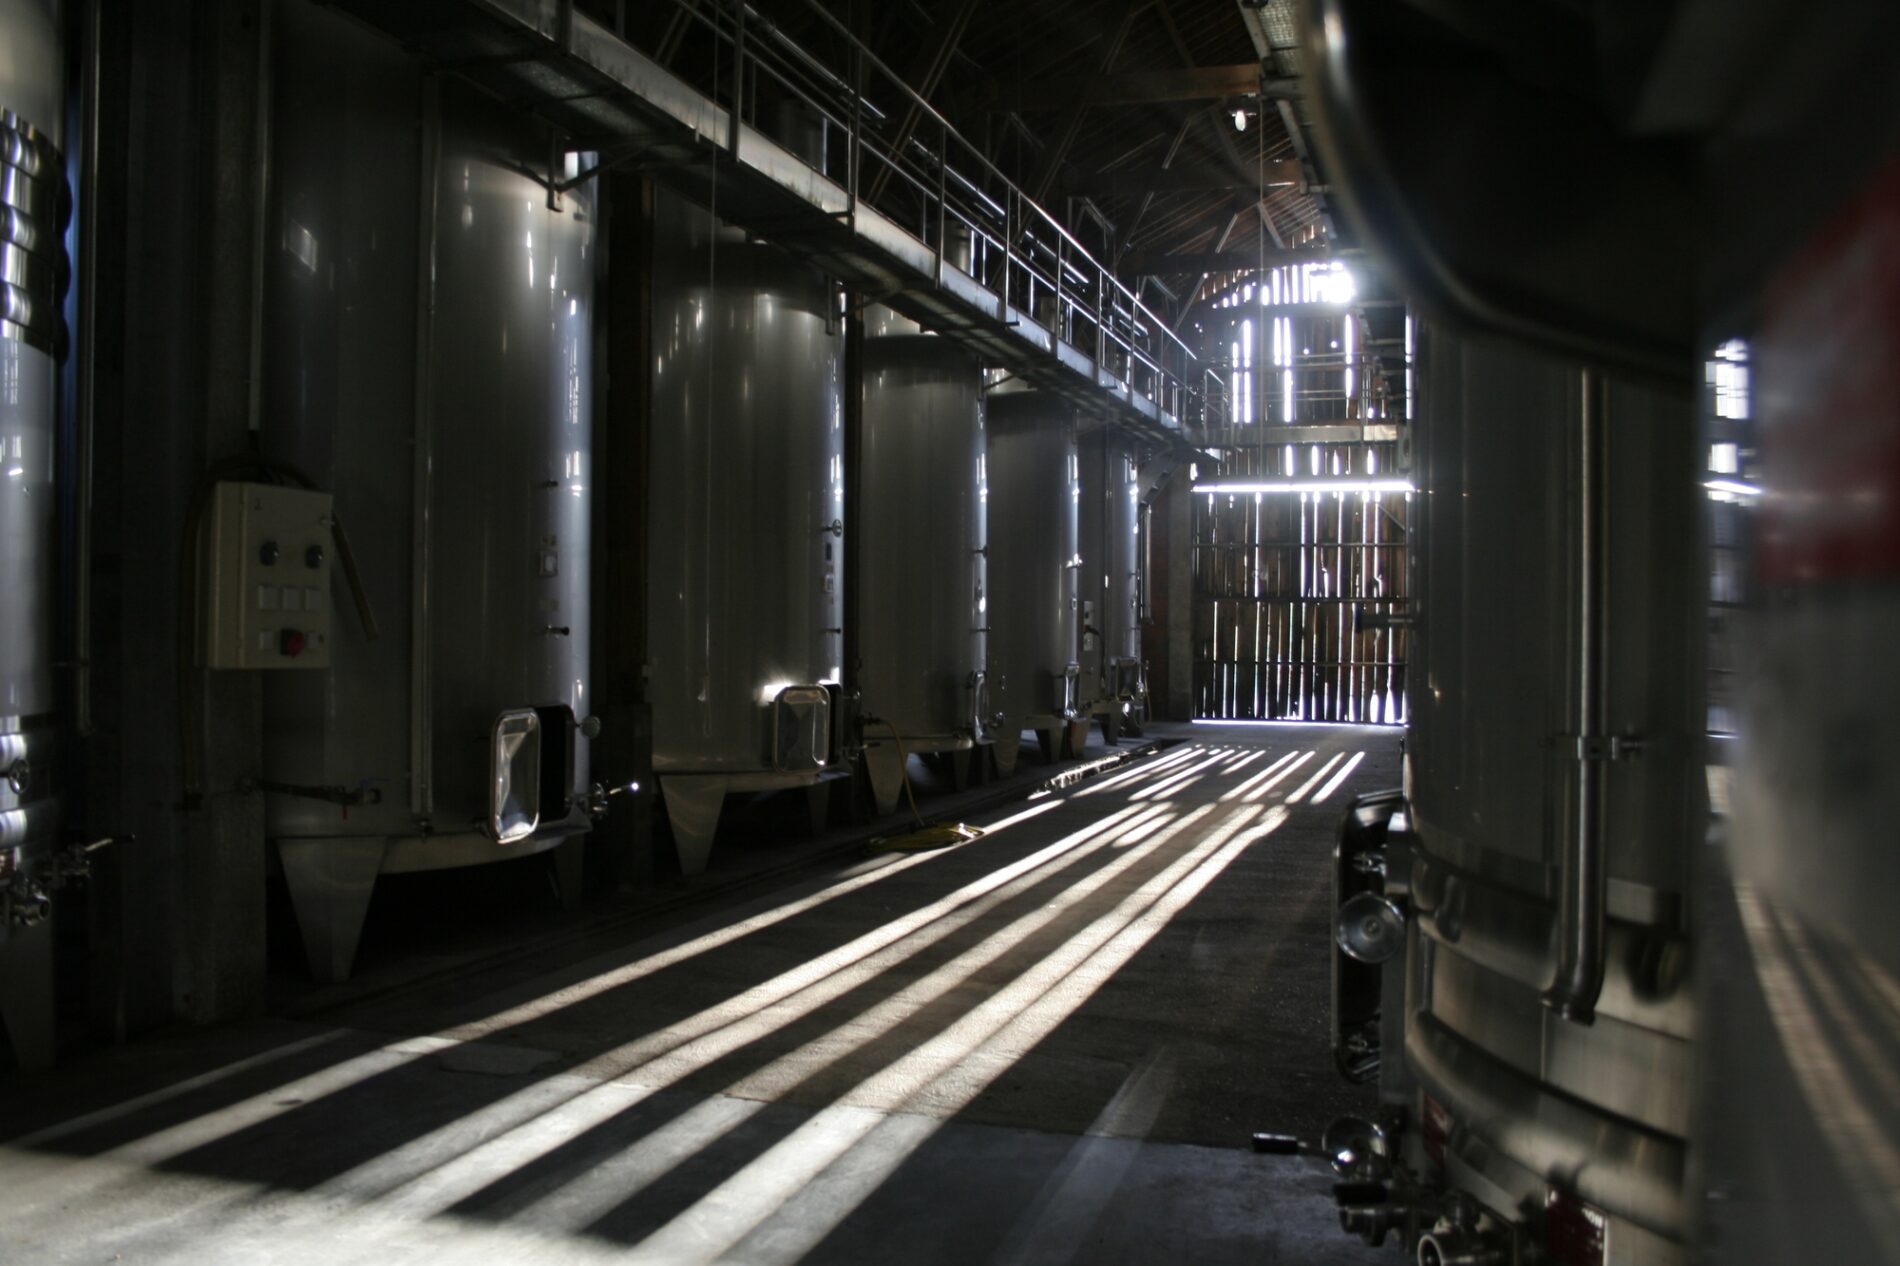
(267, 561)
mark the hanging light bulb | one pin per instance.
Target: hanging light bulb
(1240, 120)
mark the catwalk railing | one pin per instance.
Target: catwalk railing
(794, 130)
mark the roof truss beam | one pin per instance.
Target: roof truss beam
(1167, 264)
(1185, 178)
(1131, 87)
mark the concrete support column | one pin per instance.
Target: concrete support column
(220, 875)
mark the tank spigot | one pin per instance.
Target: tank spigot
(28, 904)
(1460, 1248)
(599, 798)
(1371, 1222)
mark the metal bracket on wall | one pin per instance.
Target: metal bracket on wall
(869, 300)
(1605, 747)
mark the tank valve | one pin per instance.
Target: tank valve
(1371, 1222)
(600, 797)
(28, 904)
(1369, 928)
(1460, 1248)
(1360, 1150)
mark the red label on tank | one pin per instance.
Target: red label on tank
(1575, 1233)
(1434, 1128)
(1829, 399)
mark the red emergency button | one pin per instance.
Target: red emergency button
(291, 642)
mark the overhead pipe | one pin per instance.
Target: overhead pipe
(1582, 882)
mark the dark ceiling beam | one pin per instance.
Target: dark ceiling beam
(1169, 263)
(1185, 178)
(1132, 87)
(953, 19)
(1223, 139)
(1148, 199)
(1191, 297)
(1071, 125)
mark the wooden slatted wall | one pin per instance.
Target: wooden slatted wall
(1278, 580)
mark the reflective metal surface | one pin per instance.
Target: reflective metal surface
(1034, 495)
(746, 511)
(1111, 569)
(427, 360)
(1527, 1098)
(1491, 753)
(925, 602)
(31, 254)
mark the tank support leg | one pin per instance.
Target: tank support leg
(1112, 726)
(569, 856)
(330, 884)
(818, 806)
(1076, 741)
(1050, 740)
(962, 762)
(885, 768)
(26, 994)
(693, 803)
(1006, 747)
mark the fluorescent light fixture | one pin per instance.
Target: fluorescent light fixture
(1295, 721)
(1311, 485)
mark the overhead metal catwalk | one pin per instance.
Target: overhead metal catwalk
(1035, 303)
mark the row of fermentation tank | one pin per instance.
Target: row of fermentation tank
(977, 496)
(430, 325)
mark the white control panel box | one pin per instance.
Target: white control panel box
(266, 581)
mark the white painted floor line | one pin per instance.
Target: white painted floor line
(1338, 779)
(591, 1196)
(1014, 1018)
(720, 1029)
(1279, 763)
(1299, 793)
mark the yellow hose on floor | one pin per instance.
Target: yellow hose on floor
(925, 837)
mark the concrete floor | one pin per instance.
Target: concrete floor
(1047, 1045)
